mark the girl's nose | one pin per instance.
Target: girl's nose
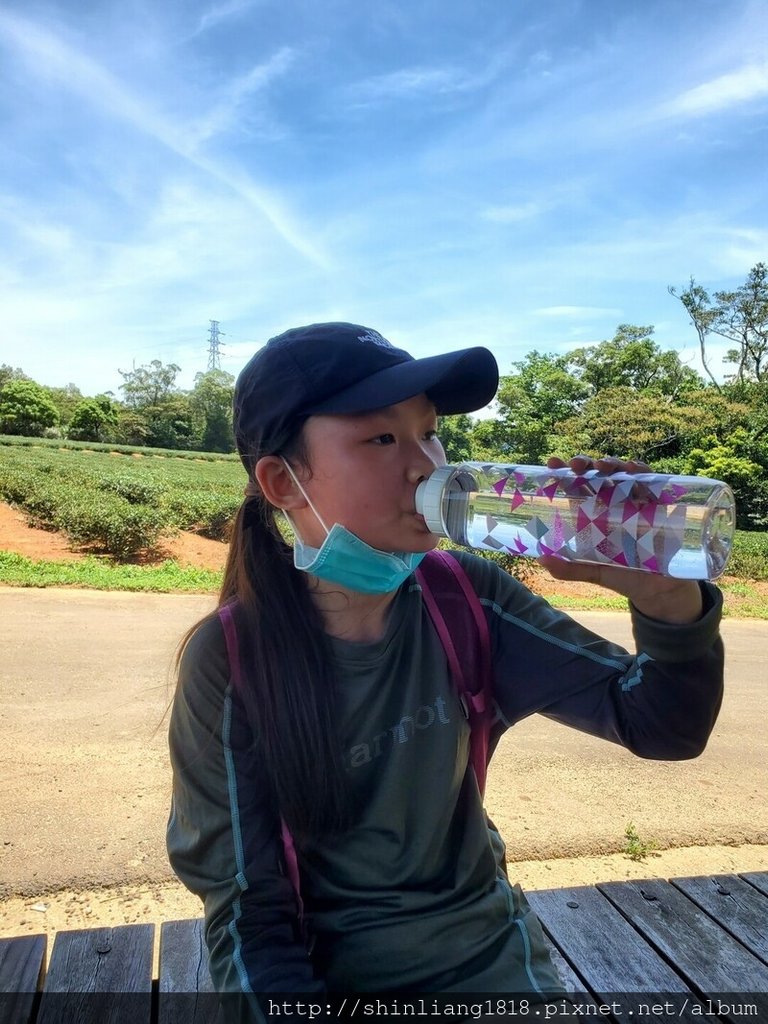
(423, 463)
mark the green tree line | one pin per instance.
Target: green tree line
(153, 411)
(624, 396)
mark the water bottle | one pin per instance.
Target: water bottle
(679, 526)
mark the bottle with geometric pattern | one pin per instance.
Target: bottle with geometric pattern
(679, 526)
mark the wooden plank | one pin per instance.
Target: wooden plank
(572, 983)
(576, 987)
(709, 959)
(22, 964)
(625, 974)
(704, 954)
(100, 976)
(757, 878)
(736, 906)
(610, 955)
(186, 990)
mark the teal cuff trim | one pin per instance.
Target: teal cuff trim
(637, 673)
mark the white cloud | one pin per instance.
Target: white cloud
(54, 59)
(737, 87)
(409, 81)
(421, 82)
(513, 214)
(227, 112)
(576, 312)
(743, 249)
(222, 12)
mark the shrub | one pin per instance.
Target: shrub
(749, 557)
(135, 490)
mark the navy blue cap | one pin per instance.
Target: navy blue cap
(345, 368)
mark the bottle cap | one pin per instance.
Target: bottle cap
(430, 495)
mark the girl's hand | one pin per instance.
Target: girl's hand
(658, 597)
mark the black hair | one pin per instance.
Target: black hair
(288, 688)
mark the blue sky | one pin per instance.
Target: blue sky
(513, 174)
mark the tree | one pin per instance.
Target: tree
(66, 400)
(739, 316)
(131, 427)
(169, 424)
(165, 411)
(8, 373)
(623, 422)
(94, 419)
(531, 402)
(730, 461)
(211, 405)
(643, 425)
(26, 409)
(149, 385)
(632, 359)
(455, 433)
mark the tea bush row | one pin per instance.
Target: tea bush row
(118, 506)
(17, 441)
(86, 515)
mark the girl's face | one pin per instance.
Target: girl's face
(364, 473)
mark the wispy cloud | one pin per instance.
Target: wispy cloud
(228, 110)
(421, 82)
(222, 12)
(86, 78)
(514, 213)
(738, 87)
(410, 81)
(576, 312)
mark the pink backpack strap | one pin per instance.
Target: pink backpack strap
(459, 619)
(290, 858)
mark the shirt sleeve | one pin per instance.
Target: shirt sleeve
(660, 702)
(223, 834)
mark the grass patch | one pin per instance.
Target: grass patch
(740, 601)
(743, 601)
(636, 848)
(608, 603)
(101, 574)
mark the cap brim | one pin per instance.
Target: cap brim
(456, 382)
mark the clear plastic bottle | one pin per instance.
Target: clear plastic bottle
(679, 526)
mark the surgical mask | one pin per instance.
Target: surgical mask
(345, 559)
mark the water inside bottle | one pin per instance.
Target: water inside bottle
(680, 531)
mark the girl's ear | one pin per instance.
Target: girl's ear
(277, 484)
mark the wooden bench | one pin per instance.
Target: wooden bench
(688, 949)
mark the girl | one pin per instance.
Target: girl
(402, 877)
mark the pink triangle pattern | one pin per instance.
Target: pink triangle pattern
(609, 527)
(518, 498)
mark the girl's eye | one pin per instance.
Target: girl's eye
(386, 439)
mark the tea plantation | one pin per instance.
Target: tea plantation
(120, 503)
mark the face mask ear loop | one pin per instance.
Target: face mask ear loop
(307, 499)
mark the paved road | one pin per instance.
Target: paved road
(86, 677)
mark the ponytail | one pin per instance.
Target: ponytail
(288, 686)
